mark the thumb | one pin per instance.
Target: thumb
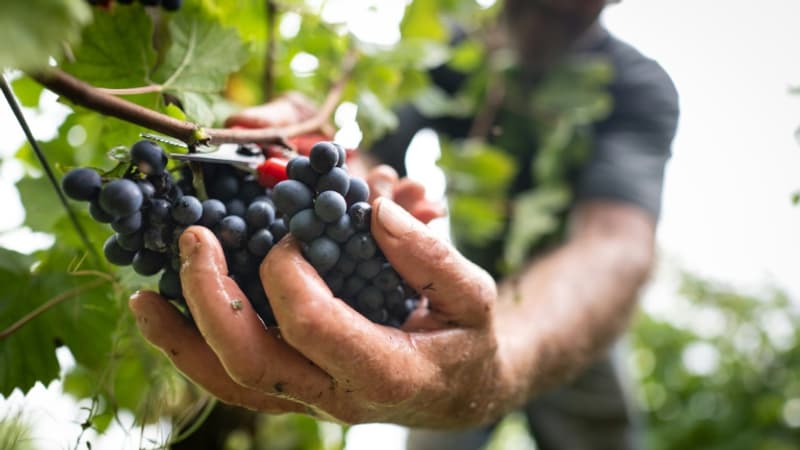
(458, 290)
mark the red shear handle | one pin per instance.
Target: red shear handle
(272, 171)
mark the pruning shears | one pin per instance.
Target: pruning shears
(269, 170)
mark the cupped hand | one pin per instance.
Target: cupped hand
(443, 369)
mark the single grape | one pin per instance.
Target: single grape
(224, 188)
(346, 265)
(147, 188)
(232, 232)
(335, 281)
(213, 211)
(121, 198)
(115, 254)
(128, 225)
(360, 215)
(147, 262)
(368, 269)
(291, 196)
(330, 206)
(380, 316)
(97, 213)
(352, 286)
(341, 230)
(357, 192)
(158, 212)
(306, 225)
(299, 169)
(187, 210)
(259, 215)
(81, 184)
(260, 243)
(387, 279)
(335, 180)
(324, 156)
(394, 300)
(169, 286)
(148, 157)
(342, 154)
(236, 207)
(370, 298)
(278, 229)
(323, 254)
(242, 263)
(361, 246)
(131, 242)
(250, 190)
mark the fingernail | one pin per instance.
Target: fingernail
(188, 244)
(393, 218)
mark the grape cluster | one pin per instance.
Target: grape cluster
(149, 207)
(319, 203)
(327, 211)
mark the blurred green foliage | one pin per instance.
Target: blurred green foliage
(722, 373)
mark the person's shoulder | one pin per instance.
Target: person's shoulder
(637, 74)
(642, 90)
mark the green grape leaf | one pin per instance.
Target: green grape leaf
(39, 191)
(422, 20)
(198, 61)
(373, 116)
(116, 50)
(27, 91)
(82, 317)
(35, 30)
(535, 214)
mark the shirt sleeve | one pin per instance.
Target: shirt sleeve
(632, 146)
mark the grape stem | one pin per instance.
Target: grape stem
(44, 307)
(99, 100)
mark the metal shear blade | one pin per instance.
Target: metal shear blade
(224, 154)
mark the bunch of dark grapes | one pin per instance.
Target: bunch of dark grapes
(325, 208)
(149, 207)
(169, 5)
(327, 211)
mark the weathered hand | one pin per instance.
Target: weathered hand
(442, 369)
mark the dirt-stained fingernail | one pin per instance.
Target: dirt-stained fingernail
(188, 244)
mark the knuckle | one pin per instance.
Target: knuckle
(248, 373)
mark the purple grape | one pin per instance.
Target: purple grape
(330, 206)
(121, 198)
(324, 156)
(81, 184)
(148, 157)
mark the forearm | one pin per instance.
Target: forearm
(565, 309)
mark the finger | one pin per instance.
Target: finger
(285, 110)
(408, 192)
(252, 357)
(325, 329)
(164, 327)
(459, 291)
(381, 181)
